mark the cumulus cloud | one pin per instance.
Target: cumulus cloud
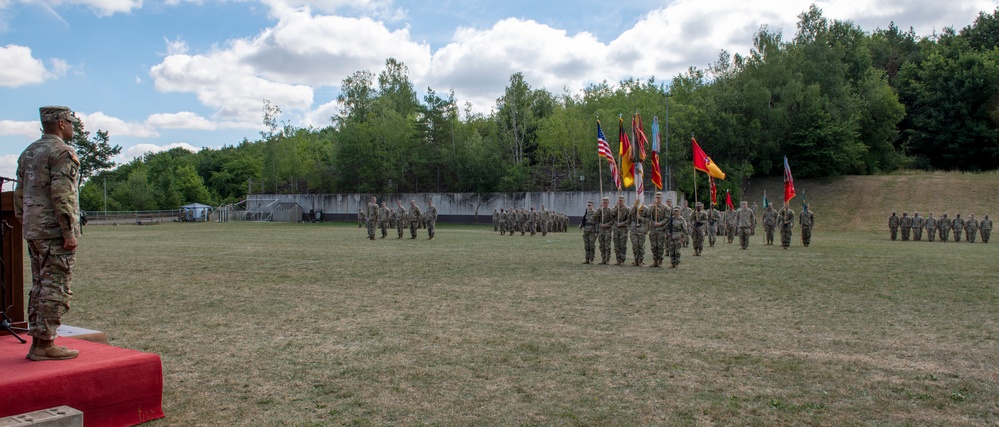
(116, 126)
(19, 68)
(18, 128)
(103, 7)
(138, 150)
(181, 120)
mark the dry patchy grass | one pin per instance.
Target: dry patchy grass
(276, 324)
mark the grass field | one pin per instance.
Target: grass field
(304, 324)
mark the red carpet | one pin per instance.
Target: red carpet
(112, 386)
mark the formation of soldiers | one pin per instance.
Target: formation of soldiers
(913, 226)
(382, 217)
(670, 228)
(544, 221)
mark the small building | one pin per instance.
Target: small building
(195, 212)
(286, 212)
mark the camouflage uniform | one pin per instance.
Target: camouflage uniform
(638, 228)
(769, 223)
(589, 225)
(746, 220)
(918, 223)
(501, 219)
(785, 220)
(944, 225)
(698, 222)
(545, 218)
(372, 217)
(621, 218)
(400, 219)
(730, 224)
(532, 220)
(971, 229)
(931, 227)
(985, 227)
(46, 203)
(714, 218)
(383, 218)
(677, 229)
(905, 223)
(957, 226)
(414, 217)
(685, 212)
(360, 218)
(606, 215)
(431, 219)
(495, 219)
(893, 226)
(806, 220)
(522, 218)
(658, 214)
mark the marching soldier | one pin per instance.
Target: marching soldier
(372, 216)
(414, 218)
(806, 220)
(589, 225)
(746, 220)
(957, 226)
(676, 228)
(699, 221)
(931, 227)
(621, 217)
(400, 218)
(985, 227)
(905, 223)
(714, 220)
(893, 226)
(971, 229)
(658, 214)
(431, 218)
(730, 224)
(638, 229)
(522, 218)
(532, 220)
(944, 225)
(546, 218)
(785, 220)
(686, 211)
(606, 230)
(511, 221)
(769, 223)
(918, 223)
(383, 218)
(495, 219)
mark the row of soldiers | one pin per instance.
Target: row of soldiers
(529, 221)
(375, 216)
(915, 224)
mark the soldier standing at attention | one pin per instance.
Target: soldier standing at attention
(431, 217)
(46, 203)
(383, 215)
(985, 227)
(918, 223)
(495, 219)
(685, 211)
(400, 218)
(501, 221)
(360, 218)
(905, 223)
(532, 220)
(971, 229)
(606, 230)
(658, 215)
(589, 226)
(806, 220)
(785, 220)
(746, 220)
(545, 217)
(676, 226)
(522, 220)
(730, 224)
(944, 225)
(931, 227)
(620, 231)
(372, 217)
(638, 229)
(769, 223)
(714, 218)
(957, 226)
(511, 221)
(414, 218)
(893, 226)
(699, 221)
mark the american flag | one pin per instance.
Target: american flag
(604, 150)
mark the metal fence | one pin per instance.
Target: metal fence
(134, 217)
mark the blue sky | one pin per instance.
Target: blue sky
(194, 73)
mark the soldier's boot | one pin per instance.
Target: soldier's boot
(47, 350)
(603, 260)
(34, 343)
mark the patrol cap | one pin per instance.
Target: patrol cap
(606, 198)
(699, 205)
(659, 193)
(676, 209)
(621, 197)
(53, 113)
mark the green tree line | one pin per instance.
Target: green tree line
(835, 100)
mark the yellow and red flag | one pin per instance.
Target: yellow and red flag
(703, 163)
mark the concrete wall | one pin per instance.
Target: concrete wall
(451, 207)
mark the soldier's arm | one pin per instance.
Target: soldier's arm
(65, 175)
(19, 196)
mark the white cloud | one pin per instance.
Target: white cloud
(19, 68)
(115, 126)
(138, 150)
(30, 129)
(181, 120)
(103, 7)
(176, 46)
(320, 117)
(8, 169)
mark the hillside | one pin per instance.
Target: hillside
(865, 202)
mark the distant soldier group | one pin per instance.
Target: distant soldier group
(913, 226)
(385, 218)
(510, 221)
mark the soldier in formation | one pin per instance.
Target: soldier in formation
(714, 221)
(918, 223)
(676, 229)
(806, 220)
(414, 218)
(746, 221)
(905, 223)
(372, 217)
(985, 227)
(589, 225)
(699, 223)
(686, 211)
(383, 218)
(431, 219)
(495, 219)
(971, 229)
(360, 218)
(659, 215)
(893, 225)
(769, 223)
(400, 218)
(544, 220)
(730, 224)
(931, 227)
(621, 215)
(957, 226)
(941, 227)
(606, 230)
(944, 225)
(785, 220)
(638, 229)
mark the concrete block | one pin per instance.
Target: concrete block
(61, 416)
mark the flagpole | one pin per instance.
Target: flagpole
(600, 167)
(666, 150)
(695, 170)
